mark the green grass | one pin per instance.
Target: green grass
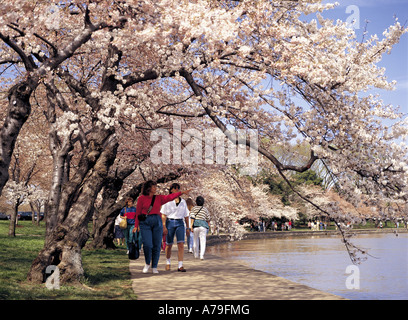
(106, 276)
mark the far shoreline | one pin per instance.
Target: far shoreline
(224, 238)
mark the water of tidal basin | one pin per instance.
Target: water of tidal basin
(320, 262)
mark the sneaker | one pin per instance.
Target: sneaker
(181, 269)
(146, 268)
(155, 270)
(201, 258)
(167, 267)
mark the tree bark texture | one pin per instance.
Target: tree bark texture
(103, 233)
(65, 241)
(13, 220)
(19, 109)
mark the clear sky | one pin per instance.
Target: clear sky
(380, 15)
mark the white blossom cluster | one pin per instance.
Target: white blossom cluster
(16, 191)
(67, 124)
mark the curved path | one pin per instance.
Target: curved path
(216, 278)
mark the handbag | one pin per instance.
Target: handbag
(123, 222)
(142, 216)
(134, 247)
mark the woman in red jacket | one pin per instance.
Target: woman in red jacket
(149, 222)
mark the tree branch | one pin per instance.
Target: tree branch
(24, 58)
(280, 166)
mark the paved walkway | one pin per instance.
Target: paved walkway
(215, 278)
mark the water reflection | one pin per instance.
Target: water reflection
(321, 261)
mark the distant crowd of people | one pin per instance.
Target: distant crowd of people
(263, 226)
(317, 225)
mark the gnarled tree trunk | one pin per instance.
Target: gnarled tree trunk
(64, 243)
(19, 109)
(103, 231)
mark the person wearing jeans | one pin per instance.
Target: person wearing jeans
(174, 215)
(128, 212)
(152, 227)
(200, 219)
(151, 230)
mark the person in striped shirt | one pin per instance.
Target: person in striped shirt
(200, 219)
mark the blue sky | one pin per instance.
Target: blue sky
(380, 14)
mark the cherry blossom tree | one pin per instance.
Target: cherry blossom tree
(230, 197)
(23, 36)
(37, 198)
(106, 66)
(326, 67)
(16, 194)
(29, 43)
(23, 170)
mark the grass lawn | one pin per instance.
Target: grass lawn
(107, 273)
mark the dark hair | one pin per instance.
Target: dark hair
(147, 186)
(174, 186)
(129, 198)
(200, 201)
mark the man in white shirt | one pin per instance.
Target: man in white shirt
(175, 217)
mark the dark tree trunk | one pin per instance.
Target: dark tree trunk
(103, 234)
(105, 215)
(19, 109)
(70, 210)
(13, 220)
(64, 243)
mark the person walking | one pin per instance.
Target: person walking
(119, 235)
(128, 212)
(190, 238)
(149, 222)
(175, 218)
(200, 219)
